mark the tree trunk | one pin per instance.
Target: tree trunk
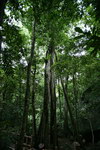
(20, 87)
(91, 128)
(66, 117)
(70, 111)
(59, 98)
(49, 96)
(53, 130)
(75, 98)
(43, 132)
(27, 93)
(33, 110)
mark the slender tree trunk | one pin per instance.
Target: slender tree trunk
(59, 96)
(91, 128)
(75, 92)
(27, 93)
(66, 113)
(70, 111)
(33, 110)
(66, 118)
(20, 87)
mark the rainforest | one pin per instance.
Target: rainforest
(49, 75)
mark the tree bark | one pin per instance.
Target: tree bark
(43, 132)
(66, 116)
(75, 98)
(59, 98)
(53, 130)
(27, 93)
(91, 128)
(49, 97)
(33, 110)
(70, 112)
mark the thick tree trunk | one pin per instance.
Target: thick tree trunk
(43, 132)
(27, 94)
(53, 130)
(49, 96)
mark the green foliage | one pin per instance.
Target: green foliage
(77, 29)
(56, 21)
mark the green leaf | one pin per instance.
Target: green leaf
(78, 37)
(77, 29)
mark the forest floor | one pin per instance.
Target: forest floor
(66, 144)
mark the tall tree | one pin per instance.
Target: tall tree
(43, 132)
(33, 109)
(27, 93)
(53, 129)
